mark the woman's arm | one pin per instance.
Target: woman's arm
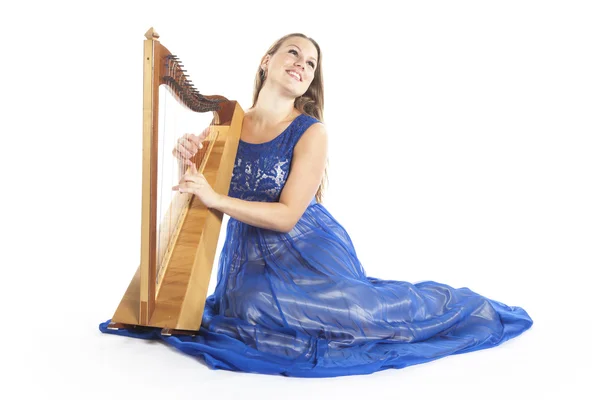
(306, 172)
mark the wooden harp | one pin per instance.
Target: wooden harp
(169, 289)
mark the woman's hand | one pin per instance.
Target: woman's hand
(195, 183)
(188, 145)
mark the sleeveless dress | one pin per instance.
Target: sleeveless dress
(300, 303)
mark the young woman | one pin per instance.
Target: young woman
(292, 297)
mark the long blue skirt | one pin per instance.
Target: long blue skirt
(299, 304)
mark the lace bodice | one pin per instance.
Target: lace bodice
(261, 170)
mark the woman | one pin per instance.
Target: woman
(292, 297)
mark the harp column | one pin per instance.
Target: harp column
(149, 180)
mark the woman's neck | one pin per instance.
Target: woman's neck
(271, 108)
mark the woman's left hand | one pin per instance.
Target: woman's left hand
(195, 183)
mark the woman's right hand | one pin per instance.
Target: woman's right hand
(188, 145)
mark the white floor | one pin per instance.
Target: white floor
(555, 359)
(464, 142)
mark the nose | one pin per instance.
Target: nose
(300, 63)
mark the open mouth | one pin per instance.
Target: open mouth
(295, 75)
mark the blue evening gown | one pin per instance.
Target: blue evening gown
(300, 304)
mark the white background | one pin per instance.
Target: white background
(464, 149)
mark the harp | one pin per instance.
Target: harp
(178, 246)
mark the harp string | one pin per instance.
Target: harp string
(182, 110)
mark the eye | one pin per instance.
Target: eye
(294, 52)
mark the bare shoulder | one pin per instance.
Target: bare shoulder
(315, 134)
(317, 127)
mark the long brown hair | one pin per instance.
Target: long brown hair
(310, 103)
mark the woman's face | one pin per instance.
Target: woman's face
(293, 65)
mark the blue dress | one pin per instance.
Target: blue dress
(300, 303)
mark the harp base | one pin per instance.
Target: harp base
(171, 332)
(115, 326)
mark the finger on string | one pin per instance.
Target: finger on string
(183, 151)
(191, 175)
(183, 189)
(196, 139)
(189, 171)
(190, 146)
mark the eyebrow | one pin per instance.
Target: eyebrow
(301, 50)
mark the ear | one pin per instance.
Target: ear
(265, 62)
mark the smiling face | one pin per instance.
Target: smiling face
(292, 65)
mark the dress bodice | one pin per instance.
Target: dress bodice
(261, 170)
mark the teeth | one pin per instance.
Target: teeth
(294, 74)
